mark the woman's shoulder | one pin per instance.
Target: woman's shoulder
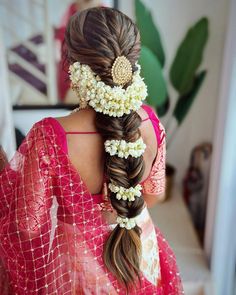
(45, 130)
(45, 136)
(50, 130)
(45, 125)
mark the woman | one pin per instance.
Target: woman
(74, 217)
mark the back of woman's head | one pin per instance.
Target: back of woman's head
(96, 37)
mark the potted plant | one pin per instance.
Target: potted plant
(184, 75)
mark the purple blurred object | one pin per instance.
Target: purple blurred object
(25, 53)
(28, 77)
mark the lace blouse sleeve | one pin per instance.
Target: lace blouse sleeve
(155, 184)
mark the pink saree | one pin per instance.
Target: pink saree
(51, 227)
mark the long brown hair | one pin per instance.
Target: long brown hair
(95, 37)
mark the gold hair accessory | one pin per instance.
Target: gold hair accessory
(121, 70)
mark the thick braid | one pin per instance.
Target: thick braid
(126, 173)
(96, 37)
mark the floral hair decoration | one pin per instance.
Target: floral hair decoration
(126, 222)
(126, 193)
(112, 101)
(124, 149)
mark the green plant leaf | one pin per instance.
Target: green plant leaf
(152, 72)
(163, 109)
(184, 102)
(189, 56)
(150, 36)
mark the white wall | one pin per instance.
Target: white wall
(221, 218)
(173, 19)
(7, 136)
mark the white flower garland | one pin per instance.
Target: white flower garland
(124, 149)
(126, 222)
(112, 101)
(126, 193)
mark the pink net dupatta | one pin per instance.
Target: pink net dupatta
(51, 228)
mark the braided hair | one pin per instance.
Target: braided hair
(96, 37)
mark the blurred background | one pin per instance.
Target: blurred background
(188, 61)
